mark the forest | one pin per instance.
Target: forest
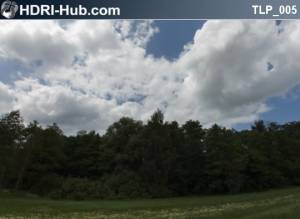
(152, 159)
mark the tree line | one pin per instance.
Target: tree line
(146, 160)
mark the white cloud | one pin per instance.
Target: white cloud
(139, 32)
(6, 98)
(35, 41)
(71, 109)
(228, 79)
(88, 74)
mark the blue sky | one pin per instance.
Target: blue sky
(172, 37)
(282, 109)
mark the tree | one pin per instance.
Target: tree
(25, 155)
(225, 160)
(156, 159)
(158, 155)
(11, 142)
(192, 157)
(47, 160)
(82, 155)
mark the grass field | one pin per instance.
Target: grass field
(275, 204)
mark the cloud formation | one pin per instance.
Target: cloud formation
(88, 74)
(228, 68)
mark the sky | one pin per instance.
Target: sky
(85, 75)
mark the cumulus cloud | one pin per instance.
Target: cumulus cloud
(61, 104)
(88, 74)
(35, 42)
(228, 69)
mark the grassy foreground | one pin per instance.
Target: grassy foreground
(275, 204)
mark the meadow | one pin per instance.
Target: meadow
(273, 204)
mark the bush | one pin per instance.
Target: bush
(80, 189)
(125, 184)
(47, 184)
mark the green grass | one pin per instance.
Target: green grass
(274, 204)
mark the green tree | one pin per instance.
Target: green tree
(225, 160)
(82, 155)
(11, 143)
(192, 157)
(47, 160)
